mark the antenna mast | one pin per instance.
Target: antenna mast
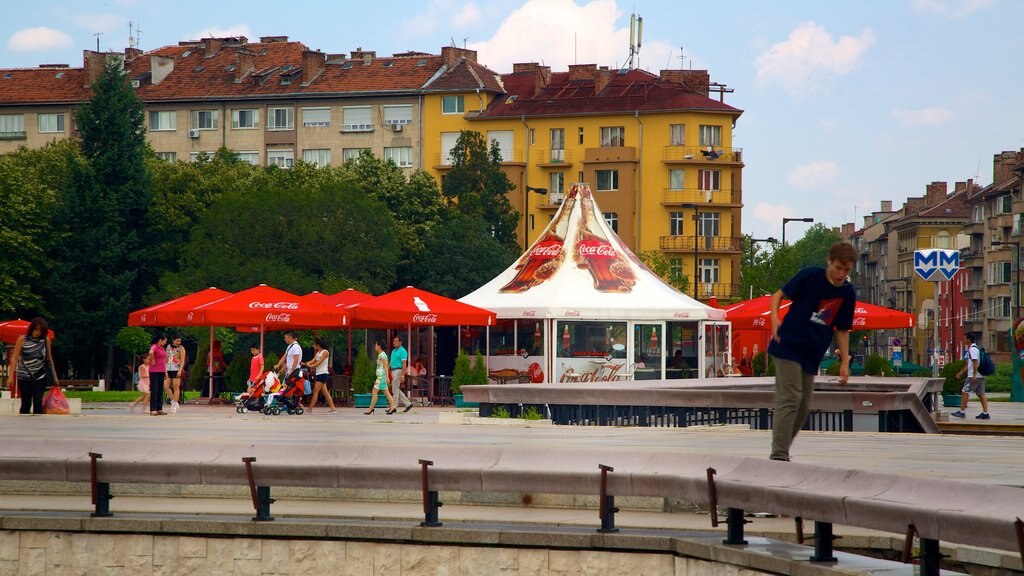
(97, 35)
(636, 38)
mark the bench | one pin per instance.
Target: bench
(983, 516)
(79, 385)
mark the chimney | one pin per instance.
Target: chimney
(160, 67)
(131, 53)
(245, 63)
(601, 79)
(272, 39)
(451, 55)
(848, 229)
(936, 192)
(313, 63)
(93, 64)
(1003, 165)
(582, 71)
(886, 206)
(697, 81)
(869, 220)
(522, 67)
(211, 46)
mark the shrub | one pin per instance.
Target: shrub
(479, 369)
(757, 364)
(500, 412)
(952, 384)
(1002, 380)
(531, 413)
(833, 370)
(875, 365)
(463, 374)
(363, 373)
(237, 373)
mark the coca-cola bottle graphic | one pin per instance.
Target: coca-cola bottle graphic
(610, 270)
(540, 262)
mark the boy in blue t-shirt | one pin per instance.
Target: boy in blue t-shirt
(823, 304)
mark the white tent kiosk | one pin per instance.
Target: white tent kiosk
(580, 306)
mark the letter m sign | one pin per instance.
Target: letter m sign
(928, 262)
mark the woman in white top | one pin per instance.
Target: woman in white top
(320, 364)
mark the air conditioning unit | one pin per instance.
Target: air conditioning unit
(193, 133)
(396, 127)
(135, 83)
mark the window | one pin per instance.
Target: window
(709, 180)
(607, 180)
(675, 223)
(1018, 225)
(167, 156)
(398, 114)
(556, 183)
(1004, 204)
(245, 119)
(999, 272)
(675, 179)
(708, 271)
(51, 122)
(249, 156)
(581, 134)
(281, 158)
(708, 224)
(281, 119)
(319, 157)
(978, 215)
(710, 135)
(998, 307)
(204, 119)
(558, 144)
(675, 268)
(12, 125)
(401, 155)
(941, 240)
(356, 119)
(448, 141)
(164, 120)
(677, 135)
(533, 137)
(613, 136)
(352, 153)
(200, 156)
(316, 117)
(453, 105)
(612, 218)
(504, 139)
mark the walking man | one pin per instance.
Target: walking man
(399, 368)
(823, 304)
(975, 382)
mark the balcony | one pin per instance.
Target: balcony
(719, 290)
(675, 196)
(12, 135)
(703, 244)
(688, 154)
(554, 158)
(444, 161)
(552, 201)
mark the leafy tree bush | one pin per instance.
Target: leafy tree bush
(363, 373)
(875, 365)
(463, 374)
(952, 384)
(237, 374)
(760, 363)
(480, 369)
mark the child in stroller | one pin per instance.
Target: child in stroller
(260, 394)
(291, 398)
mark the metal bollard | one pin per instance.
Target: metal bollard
(261, 499)
(823, 539)
(608, 509)
(431, 502)
(100, 490)
(734, 522)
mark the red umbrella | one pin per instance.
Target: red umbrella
(161, 314)
(11, 329)
(756, 314)
(411, 306)
(264, 306)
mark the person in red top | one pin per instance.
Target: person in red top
(255, 365)
(157, 371)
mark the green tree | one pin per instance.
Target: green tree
(97, 281)
(659, 264)
(770, 270)
(462, 257)
(476, 186)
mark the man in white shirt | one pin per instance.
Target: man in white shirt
(292, 357)
(975, 382)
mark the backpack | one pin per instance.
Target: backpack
(986, 367)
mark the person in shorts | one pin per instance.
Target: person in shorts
(975, 382)
(320, 365)
(176, 359)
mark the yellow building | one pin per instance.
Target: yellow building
(656, 150)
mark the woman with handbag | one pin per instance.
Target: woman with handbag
(33, 356)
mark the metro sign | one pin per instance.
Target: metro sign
(928, 262)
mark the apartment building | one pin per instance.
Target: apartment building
(656, 149)
(986, 225)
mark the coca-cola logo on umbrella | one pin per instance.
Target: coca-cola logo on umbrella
(274, 305)
(280, 317)
(425, 318)
(546, 250)
(596, 249)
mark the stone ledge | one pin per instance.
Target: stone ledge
(11, 406)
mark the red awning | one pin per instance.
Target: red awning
(264, 306)
(161, 314)
(756, 314)
(11, 329)
(412, 306)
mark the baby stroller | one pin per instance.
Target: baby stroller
(260, 393)
(291, 398)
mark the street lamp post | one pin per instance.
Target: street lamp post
(787, 220)
(526, 224)
(753, 251)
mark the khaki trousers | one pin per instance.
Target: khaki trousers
(396, 388)
(793, 390)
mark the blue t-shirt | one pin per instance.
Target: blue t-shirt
(818, 309)
(398, 355)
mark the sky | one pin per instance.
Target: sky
(846, 103)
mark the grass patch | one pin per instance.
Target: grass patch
(500, 412)
(114, 395)
(531, 413)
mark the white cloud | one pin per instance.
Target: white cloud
(809, 59)
(771, 214)
(931, 116)
(38, 39)
(221, 32)
(468, 15)
(813, 176)
(952, 9)
(558, 33)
